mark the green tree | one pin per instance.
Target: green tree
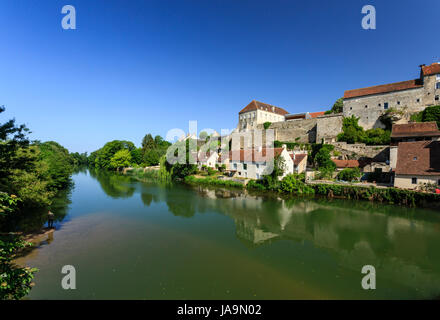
(104, 155)
(266, 125)
(15, 281)
(337, 107)
(121, 159)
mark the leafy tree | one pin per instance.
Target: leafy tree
(59, 164)
(291, 184)
(136, 156)
(15, 281)
(337, 107)
(266, 125)
(79, 159)
(152, 157)
(148, 142)
(104, 155)
(120, 159)
(429, 114)
(352, 132)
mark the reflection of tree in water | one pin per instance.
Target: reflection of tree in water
(181, 205)
(34, 219)
(114, 185)
(147, 198)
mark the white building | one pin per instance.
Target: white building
(255, 163)
(258, 112)
(208, 159)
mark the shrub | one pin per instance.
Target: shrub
(291, 184)
(267, 125)
(349, 174)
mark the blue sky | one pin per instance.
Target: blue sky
(134, 67)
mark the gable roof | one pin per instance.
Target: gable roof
(256, 105)
(298, 158)
(418, 158)
(384, 88)
(415, 129)
(430, 70)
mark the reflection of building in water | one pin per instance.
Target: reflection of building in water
(251, 232)
(400, 248)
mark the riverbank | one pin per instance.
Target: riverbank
(388, 195)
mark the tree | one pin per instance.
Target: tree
(104, 155)
(15, 281)
(429, 114)
(349, 174)
(266, 125)
(203, 135)
(151, 157)
(148, 142)
(338, 106)
(121, 159)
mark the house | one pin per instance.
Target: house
(368, 104)
(257, 162)
(299, 162)
(257, 113)
(418, 162)
(208, 159)
(409, 132)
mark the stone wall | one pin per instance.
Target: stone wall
(369, 108)
(301, 130)
(360, 150)
(328, 127)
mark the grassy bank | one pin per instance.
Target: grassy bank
(213, 182)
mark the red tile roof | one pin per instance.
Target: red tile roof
(256, 105)
(418, 158)
(385, 88)
(317, 114)
(348, 163)
(432, 69)
(253, 155)
(415, 129)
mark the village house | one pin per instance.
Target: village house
(258, 113)
(410, 132)
(208, 159)
(368, 104)
(418, 163)
(257, 162)
(299, 162)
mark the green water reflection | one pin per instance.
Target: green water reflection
(141, 240)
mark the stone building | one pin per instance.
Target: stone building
(418, 163)
(258, 113)
(407, 97)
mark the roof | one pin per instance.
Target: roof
(384, 88)
(256, 105)
(317, 114)
(349, 163)
(415, 129)
(298, 158)
(204, 156)
(432, 69)
(418, 158)
(306, 115)
(253, 155)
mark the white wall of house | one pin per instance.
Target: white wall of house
(256, 170)
(406, 181)
(211, 161)
(250, 119)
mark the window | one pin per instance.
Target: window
(415, 158)
(438, 76)
(414, 180)
(385, 105)
(244, 166)
(418, 100)
(258, 166)
(366, 106)
(351, 108)
(398, 102)
(437, 86)
(437, 98)
(438, 182)
(380, 104)
(235, 166)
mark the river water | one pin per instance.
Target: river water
(139, 240)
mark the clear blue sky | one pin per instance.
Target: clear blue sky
(133, 67)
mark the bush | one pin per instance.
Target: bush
(349, 174)
(291, 184)
(267, 125)
(213, 182)
(352, 132)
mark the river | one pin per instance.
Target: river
(139, 240)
